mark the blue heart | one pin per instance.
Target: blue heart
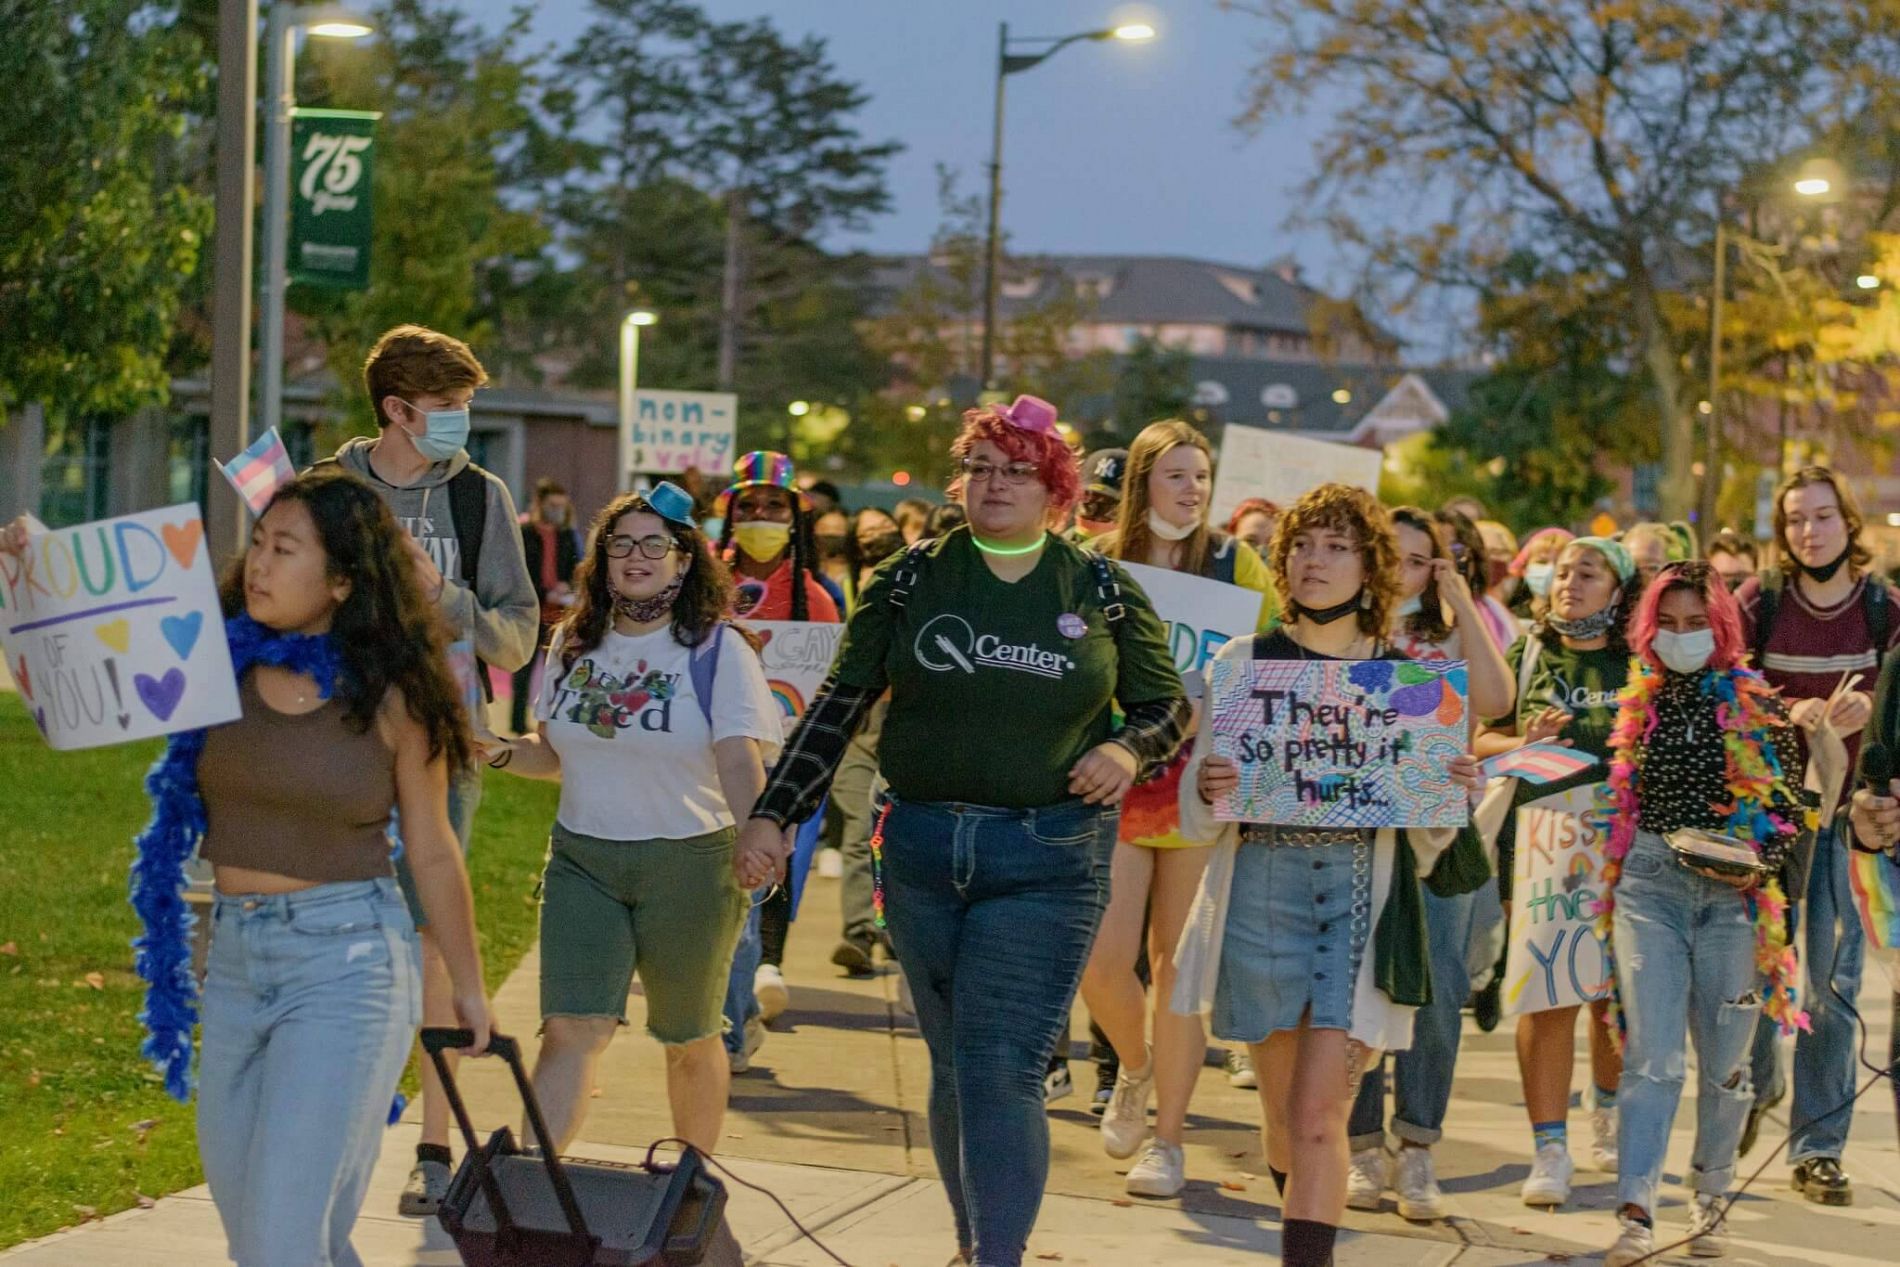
(182, 632)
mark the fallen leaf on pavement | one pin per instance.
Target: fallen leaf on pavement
(97, 980)
(11, 948)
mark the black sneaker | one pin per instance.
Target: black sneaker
(1821, 1181)
(1106, 1072)
(1751, 1129)
(1487, 1005)
(854, 957)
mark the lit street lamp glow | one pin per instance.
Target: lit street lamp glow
(630, 326)
(798, 408)
(1134, 31)
(1812, 186)
(1867, 281)
(343, 30)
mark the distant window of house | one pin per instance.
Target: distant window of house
(1094, 286)
(1021, 287)
(1245, 289)
(1279, 396)
(1211, 393)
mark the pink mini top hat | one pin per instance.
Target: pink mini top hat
(1031, 413)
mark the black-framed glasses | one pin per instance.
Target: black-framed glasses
(977, 471)
(653, 547)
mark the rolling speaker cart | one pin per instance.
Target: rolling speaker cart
(510, 1207)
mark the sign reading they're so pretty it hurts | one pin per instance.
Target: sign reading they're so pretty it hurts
(112, 630)
(1341, 743)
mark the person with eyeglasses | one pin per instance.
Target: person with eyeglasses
(655, 716)
(1009, 653)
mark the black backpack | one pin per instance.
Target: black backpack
(1873, 601)
(1108, 590)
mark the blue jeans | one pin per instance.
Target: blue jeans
(1685, 969)
(1422, 1084)
(741, 1004)
(311, 1000)
(1824, 1058)
(465, 797)
(992, 913)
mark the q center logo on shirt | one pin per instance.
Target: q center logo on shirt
(947, 644)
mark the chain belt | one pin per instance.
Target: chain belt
(1300, 837)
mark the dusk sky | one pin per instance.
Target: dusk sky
(1108, 147)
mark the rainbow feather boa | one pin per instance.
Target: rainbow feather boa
(1755, 775)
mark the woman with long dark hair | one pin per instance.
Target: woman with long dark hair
(312, 992)
(767, 542)
(655, 716)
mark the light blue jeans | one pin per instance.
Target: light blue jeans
(741, 1003)
(1685, 968)
(1833, 949)
(311, 1000)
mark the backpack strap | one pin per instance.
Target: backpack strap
(1879, 613)
(907, 573)
(1533, 648)
(1226, 559)
(702, 666)
(1108, 590)
(1767, 603)
(468, 509)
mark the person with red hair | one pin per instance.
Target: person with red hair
(1706, 782)
(1253, 521)
(1008, 652)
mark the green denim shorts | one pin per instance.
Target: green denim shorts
(669, 909)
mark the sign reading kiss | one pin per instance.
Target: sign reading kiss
(114, 632)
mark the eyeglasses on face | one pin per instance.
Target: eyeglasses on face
(977, 471)
(653, 547)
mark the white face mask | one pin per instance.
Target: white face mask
(1684, 652)
(1167, 531)
(1537, 577)
(1411, 606)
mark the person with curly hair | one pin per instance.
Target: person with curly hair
(1305, 943)
(1030, 683)
(313, 987)
(656, 718)
(1570, 669)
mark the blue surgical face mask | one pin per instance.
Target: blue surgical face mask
(1411, 606)
(1537, 577)
(444, 434)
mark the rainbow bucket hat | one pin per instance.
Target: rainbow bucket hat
(762, 468)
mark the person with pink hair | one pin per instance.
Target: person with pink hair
(1536, 564)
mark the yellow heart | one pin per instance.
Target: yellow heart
(117, 635)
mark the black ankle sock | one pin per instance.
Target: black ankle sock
(434, 1152)
(1307, 1243)
(1279, 1180)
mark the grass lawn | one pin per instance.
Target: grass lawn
(85, 1127)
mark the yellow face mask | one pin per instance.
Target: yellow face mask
(762, 541)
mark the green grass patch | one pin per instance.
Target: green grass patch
(88, 1127)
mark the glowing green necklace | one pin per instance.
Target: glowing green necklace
(1007, 551)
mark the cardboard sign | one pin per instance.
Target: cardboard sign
(1553, 956)
(1341, 743)
(1255, 462)
(677, 431)
(112, 630)
(1202, 615)
(797, 655)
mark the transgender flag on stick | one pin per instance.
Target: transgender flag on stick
(260, 470)
(1542, 762)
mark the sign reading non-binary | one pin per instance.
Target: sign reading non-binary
(332, 166)
(1255, 462)
(797, 655)
(112, 630)
(1554, 957)
(1341, 743)
(1202, 615)
(679, 431)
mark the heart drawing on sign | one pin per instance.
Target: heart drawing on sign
(182, 632)
(21, 680)
(182, 540)
(161, 695)
(116, 634)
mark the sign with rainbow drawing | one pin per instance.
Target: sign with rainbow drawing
(1875, 881)
(1341, 743)
(797, 655)
(112, 630)
(1554, 957)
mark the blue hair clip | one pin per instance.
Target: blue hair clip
(672, 503)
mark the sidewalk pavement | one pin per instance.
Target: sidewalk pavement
(831, 1120)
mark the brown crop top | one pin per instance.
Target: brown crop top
(299, 795)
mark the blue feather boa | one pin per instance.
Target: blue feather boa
(168, 841)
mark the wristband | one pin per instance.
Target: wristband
(501, 762)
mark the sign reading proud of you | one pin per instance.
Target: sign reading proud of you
(112, 630)
(1341, 743)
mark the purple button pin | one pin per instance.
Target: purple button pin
(1071, 625)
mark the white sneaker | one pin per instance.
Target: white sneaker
(1240, 1069)
(1365, 1178)
(1416, 1185)
(768, 987)
(1125, 1122)
(1634, 1243)
(740, 1061)
(1549, 1181)
(1708, 1225)
(1603, 1140)
(1161, 1172)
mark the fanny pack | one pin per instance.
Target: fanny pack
(1712, 851)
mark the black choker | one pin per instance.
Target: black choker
(1826, 571)
(1327, 615)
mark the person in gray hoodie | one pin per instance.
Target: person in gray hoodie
(466, 545)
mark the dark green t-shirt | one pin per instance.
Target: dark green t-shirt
(1584, 684)
(998, 688)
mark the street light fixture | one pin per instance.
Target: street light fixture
(629, 376)
(1030, 51)
(1867, 281)
(280, 51)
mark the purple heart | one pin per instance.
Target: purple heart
(161, 695)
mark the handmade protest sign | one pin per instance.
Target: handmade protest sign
(1553, 957)
(1256, 462)
(1341, 743)
(797, 655)
(1202, 615)
(112, 630)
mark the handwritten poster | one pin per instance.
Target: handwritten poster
(1341, 743)
(1202, 616)
(679, 431)
(112, 630)
(797, 655)
(1554, 957)
(1255, 462)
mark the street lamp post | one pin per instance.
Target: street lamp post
(629, 379)
(1008, 63)
(280, 87)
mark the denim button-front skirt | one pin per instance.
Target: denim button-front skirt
(1296, 931)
